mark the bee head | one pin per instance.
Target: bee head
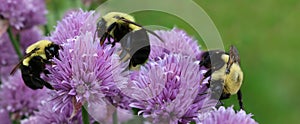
(52, 50)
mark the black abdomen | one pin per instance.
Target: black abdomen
(140, 56)
(31, 73)
(138, 45)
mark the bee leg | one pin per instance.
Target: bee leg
(113, 44)
(239, 95)
(46, 72)
(208, 84)
(207, 74)
(206, 62)
(102, 39)
(49, 62)
(109, 39)
(206, 92)
(57, 56)
(49, 86)
(220, 103)
(106, 34)
(224, 96)
(41, 81)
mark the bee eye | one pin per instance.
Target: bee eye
(117, 17)
(51, 50)
(227, 70)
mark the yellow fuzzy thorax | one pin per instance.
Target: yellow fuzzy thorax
(110, 19)
(42, 44)
(233, 80)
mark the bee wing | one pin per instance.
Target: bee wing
(234, 54)
(16, 67)
(20, 62)
(136, 47)
(153, 33)
(233, 58)
(149, 31)
(124, 55)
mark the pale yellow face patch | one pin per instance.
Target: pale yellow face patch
(41, 52)
(225, 58)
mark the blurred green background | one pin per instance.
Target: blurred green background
(266, 32)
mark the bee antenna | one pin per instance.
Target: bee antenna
(153, 33)
(94, 39)
(130, 22)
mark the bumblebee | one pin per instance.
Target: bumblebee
(34, 63)
(225, 73)
(133, 38)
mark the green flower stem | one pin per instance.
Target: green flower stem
(85, 116)
(115, 117)
(15, 122)
(15, 43)
(18, 38)
(46, 30)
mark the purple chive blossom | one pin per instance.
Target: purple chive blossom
(166, 90)
(99, 113)
(4, 117)
(23, 14)
(30, 36)
(228, 116)
(175, 41)
(8, 56)
(103, 113)
(123, 115)
(17, 98)
(86, 72)
(73, 24)
(46, 115)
